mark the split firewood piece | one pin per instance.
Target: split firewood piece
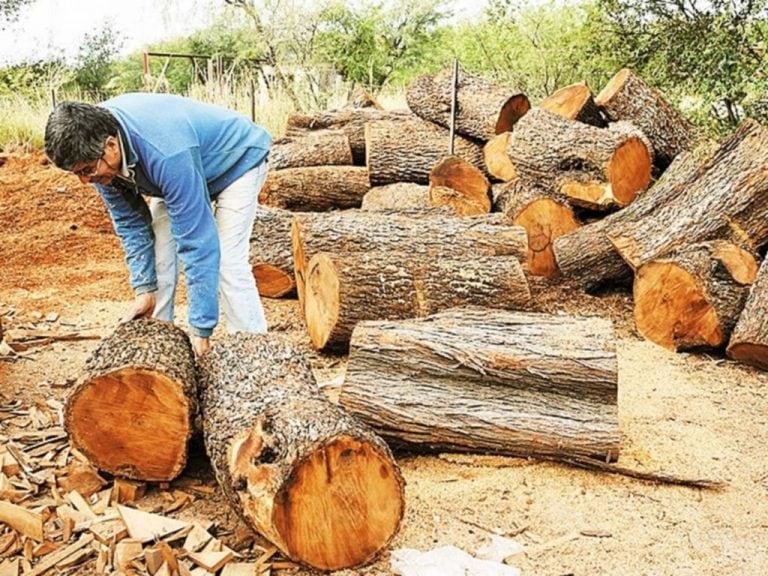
(82, 478)
(22, 520)
(52, 560)
(496, 159)
(351, 121)
(588, 259)
(483, 108)
(725, 199)
(398, 196)
(361, 231)
(145, 526)
(318, 484)
(575, 102)
(126, 551)
(315, 188)
(538, 384)
(210, 561)
(132, 412)
(270, 253)
(9, 567)
(629, 97)
(457, 174)
(244, 569)
(596, 168)
(345, 289)
(320, 148)
(109, 531)
(749, 340)
(545, 216)
(406, 150)
(127, 491)
(691, 298)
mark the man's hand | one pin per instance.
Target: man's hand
(142, 306)
(200, 345)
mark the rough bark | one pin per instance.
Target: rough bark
(457, 202)
(345, 289)
(473, 187)
(575, 102)
(399, 196)
(314, 481)
(628, 97)
(497, 160)
(545, 216)
(350, 120)
(691, 299)
(749, 340)
(315, 188)
(321, 148)
(483, 109)
(132, 411)
(479, 380)
(594, 167)
(726, 199)
(271, 254)
(406, 150)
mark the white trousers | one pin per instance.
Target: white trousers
(234, 211)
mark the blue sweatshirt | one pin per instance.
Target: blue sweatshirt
(185, 152)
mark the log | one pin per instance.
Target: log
(131, 414)
(398, 196)
(726, 199)
(318, 484)
(271, 254)
(545, 216)
(595, 168)
(457, 202)
(345, 289)
(315, 188)
(361, 98)
(691, 299)
(629, 97)
(429, 234)
(479, 380)
(406, 150)
(350, 120)
(749, 340)
(320, 148)
(457, 174)
(496, 159)
(575, 102)
(483, 108)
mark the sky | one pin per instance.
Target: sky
(57, 27)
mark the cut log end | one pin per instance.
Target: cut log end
(545, 220)
(613, 87)
(569, 101)
(672, 310)
(458, 174)
(741, 265)
(148, 440)
(749, 353)
(340, 506)
(629, 170)
(513, 109)
(321, 300)
(273, 282)
(497, 160)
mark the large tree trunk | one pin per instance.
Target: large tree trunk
(586, 256)
(628, 97)
(474, 190)
(406, 150)
(726, 199)
(132, 412)
(399, 196)
(545, 216)
(575, 102)
(315, 188)
(594, 167)
(690, 300)
(315, 482)
(479, 380)
(321, 148)
(483, 109)
(271, 254)
(749, 340)
(360, 231)
(350, 120)
(345, 289)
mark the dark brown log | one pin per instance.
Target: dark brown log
(315, 188)
(320, 148)
(545, 216)
(132, 411)
(398, 196)
(628, 97)
(691, 299)
(318, 484)
(406, 150)
(575, 102)
(749, 340)
(345, 289)
(595, 168)
(350, 120)
(360, 231)
(496, 159)
(271, 254)
(479, 380)
(483, 109)
(726, 199)
(457, 174)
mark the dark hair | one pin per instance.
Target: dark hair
(76, 132)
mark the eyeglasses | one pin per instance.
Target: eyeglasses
(87, 172)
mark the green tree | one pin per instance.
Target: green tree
(96, 58)
(10, 9)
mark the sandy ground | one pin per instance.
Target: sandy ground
(698, 416)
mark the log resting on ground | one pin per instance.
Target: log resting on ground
(315, 188)
(321, 148)
(271, 255)
(749, 340)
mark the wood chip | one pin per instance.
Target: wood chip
(211, 561)
(127, 491)
(53, 559)
(10, 568)
(77, 500)
(196, 539)
(22, 520)
(242, 569)
(153, 558)
(109, 531)
(145, 526)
